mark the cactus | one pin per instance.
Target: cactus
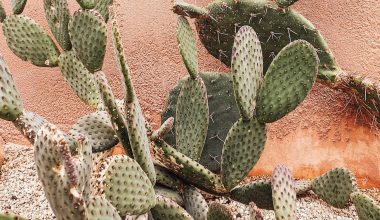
(58, 15)
(259, 192)
(335, 187)
(283, 193)
(18, 6)
(167, 209)
(218, 23)
(170, 194)
(102, 6)
(195, 204)
(122, 181)
(3, 15)
(166, 178)
(218, 211)
(87, 4)
(365, 206)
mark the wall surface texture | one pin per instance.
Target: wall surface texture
(325, 132)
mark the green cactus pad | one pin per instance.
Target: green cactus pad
(89, 38)
(218, 211)
(223, 112)
(285, 3)
(58, 173)
(168, 193)
(247, 70)
(287, 82)
(18, 6)
(87, 4)
(259, 192)
(167, 209)
(98, 129)
(195, 204)
(254, 212)
(283, 193)
(335, 187)
(138, 138)
(117, 119)
(79, 78)
(10, 103)
(242, 149)
(166, 178)
(99, 208)
(187, 169)
(58, 16)
(125, 185)
(275, 29)
(103, 8)
(187, 46)
(164, 129)
(182, 8)
(192, 117)
(29, 41)
(29, 124)
(3, 15)
(365, 206)
(302, 186)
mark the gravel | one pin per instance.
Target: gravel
(21, 193)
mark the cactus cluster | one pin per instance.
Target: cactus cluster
(155, 180)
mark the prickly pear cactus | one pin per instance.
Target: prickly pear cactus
(218, 211)
(166, 178)
(223, 113)
(29, 124)
(195, 204)
(3, 15)
(283, 193)
(36, 46)
(285, 3)
(168, 193)
(287, 82)
(187, 46)
(10, 103)
(122, 181)
(167, 209)
(335, 187)
(85, 25)
(58, 16)
(18, 6)
(365, 206)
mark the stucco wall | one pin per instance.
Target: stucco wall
(325, 132)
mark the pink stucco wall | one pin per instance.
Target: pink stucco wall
(323, 133)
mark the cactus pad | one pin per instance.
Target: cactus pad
(218, 211)
(187, 46)
(125, 185)
(335, 187)
(168, 193)
(223, 114)
(10, 103)
(164, 129)
(58, 16)
(195, 204)
(3, 15)
(302, 186)
(103, 8)
(365, 206)
(79, 79)
(285, 3)
(187, 169)
(99, 208)
(18, 6)
(166, 178)
(275, 29)
(98, 129)
(29, 41)
(29, 124)
(242, 149)
(283, 193)
(287, 82)
(247, 70)
(87, 4)
(89, 39)
(117, 119)
(259, 192)
(182, 8)
(167, 209)
(192, 117)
